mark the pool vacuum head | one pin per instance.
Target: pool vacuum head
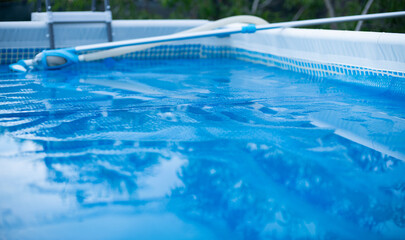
(47, 60)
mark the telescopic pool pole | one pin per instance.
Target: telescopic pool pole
(56, 59)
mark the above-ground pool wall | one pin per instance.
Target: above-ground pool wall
(23, 40)
(35, 34)
(326, 52)
(348, 55)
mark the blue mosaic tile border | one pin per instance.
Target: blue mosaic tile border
(294, 64)
(391, 81)
(8, 56)
(167, 52)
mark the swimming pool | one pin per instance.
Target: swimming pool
(198, 149)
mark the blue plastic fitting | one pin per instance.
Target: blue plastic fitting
(251, 28)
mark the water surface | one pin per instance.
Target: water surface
(198, 149)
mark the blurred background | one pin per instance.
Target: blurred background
(271, 10)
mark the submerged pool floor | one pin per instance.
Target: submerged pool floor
(198, 149)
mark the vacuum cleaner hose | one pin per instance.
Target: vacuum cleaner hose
(206, 27)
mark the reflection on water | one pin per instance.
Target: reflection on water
(201, 149)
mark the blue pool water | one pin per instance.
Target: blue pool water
(198, 149)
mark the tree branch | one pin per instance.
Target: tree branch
(365, 11)
(265, 3)
(331, 12)
(299, 13)
(254, 6)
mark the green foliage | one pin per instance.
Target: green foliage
(271, 10)
(66, 5)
